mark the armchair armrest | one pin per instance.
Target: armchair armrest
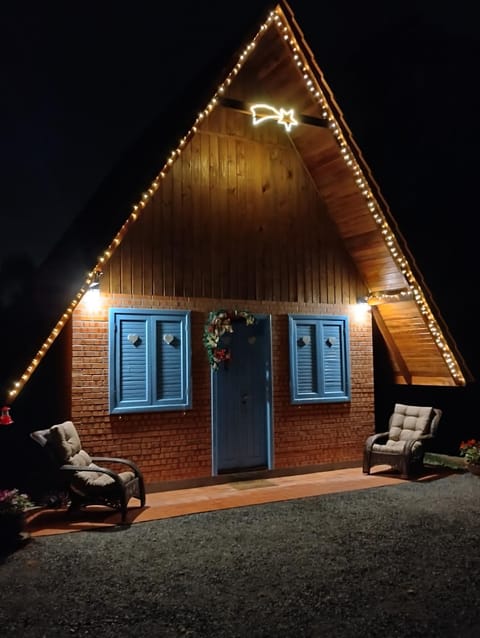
(379, 437)
(423, 439)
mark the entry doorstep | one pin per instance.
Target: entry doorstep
(166, 486)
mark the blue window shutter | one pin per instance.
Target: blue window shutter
(149, 360)
(319, 363)
(131, 377)
(334, 359)
(171, 368)
(304, 352)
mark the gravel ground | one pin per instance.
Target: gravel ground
(397, 561)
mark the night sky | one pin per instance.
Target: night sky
(80, 82)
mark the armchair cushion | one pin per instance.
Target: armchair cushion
(409, 422)
(93, 482)
(396, 447)
(67, 446)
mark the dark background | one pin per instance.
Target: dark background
(80, 82)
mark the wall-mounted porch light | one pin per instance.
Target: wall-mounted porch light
(361, 308)
(92, 296)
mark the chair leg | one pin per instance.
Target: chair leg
(75, 504)
(123, 507)
(142, 495)
(366, 463)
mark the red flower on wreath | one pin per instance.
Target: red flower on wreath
(221, 354)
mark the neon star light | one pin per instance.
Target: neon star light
(263, 112)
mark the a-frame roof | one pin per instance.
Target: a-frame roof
(421, 349)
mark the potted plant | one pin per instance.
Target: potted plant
(13, 504)
(471, 451)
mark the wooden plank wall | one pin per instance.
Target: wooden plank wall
(237, 217)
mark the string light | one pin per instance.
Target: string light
(277, 18)
(376, 298)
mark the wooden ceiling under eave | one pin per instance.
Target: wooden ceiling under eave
(415, 357)
(271, 74)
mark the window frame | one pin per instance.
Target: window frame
(320, 394)
(151, 317)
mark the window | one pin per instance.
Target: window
(149, 360)
(319, 359)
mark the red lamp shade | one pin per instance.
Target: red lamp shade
(5, 418)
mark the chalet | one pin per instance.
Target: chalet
(224, 324)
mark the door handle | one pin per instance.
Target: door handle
(244, 398)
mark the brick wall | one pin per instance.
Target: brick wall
(170, 446)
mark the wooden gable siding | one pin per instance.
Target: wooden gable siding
(237, 217)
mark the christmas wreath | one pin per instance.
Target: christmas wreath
(218, 323)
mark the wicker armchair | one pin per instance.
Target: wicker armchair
(86, 482)
(411, 431)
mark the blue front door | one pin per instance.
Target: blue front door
(241, 400)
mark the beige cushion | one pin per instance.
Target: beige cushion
(394, 447)
(66, 442)
(409, 422)
(93, 482)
